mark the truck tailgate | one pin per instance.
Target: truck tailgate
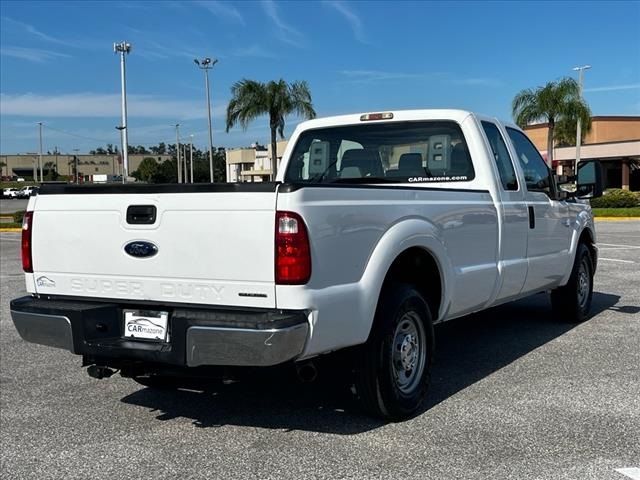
(213, 247)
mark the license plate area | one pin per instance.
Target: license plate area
(147, 325)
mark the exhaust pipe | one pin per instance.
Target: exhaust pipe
(307, 371)
(96, 371)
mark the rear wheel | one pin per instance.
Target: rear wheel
(393, 366)
(572, 302)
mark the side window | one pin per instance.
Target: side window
(501, 156)
(536, 173)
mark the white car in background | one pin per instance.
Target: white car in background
(26, 192)
(10, 193)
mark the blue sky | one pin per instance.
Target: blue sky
(58, 65)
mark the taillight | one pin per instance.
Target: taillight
(27, 227)
(293, 254)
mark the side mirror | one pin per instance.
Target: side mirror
(589, 179)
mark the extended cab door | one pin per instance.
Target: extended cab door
(549, 224)
(513, 213)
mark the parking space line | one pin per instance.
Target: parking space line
(616, 260)
(618, 245)
(633, 472)
(621, 235)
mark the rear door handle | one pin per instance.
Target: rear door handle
(532, 218)
(141, 214)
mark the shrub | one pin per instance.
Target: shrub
(616, 198)
(18, 216)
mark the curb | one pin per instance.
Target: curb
(10, 230)
(616, 219)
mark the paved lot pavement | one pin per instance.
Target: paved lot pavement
(515, 394)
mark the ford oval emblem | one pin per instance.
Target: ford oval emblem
(141, 249)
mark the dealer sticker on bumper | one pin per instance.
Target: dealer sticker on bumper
(146, 325)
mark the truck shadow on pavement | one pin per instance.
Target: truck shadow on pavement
(467, 350)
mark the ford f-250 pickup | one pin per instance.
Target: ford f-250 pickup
(377, 227)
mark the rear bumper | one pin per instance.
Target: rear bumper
(199, 337)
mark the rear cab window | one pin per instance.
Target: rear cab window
(501, 156)
(391, 152)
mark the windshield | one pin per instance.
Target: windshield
(396, 152)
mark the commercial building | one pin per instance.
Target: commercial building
(252, 164)
(614, 140)
(23, 165)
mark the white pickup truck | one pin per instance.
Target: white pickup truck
(379, 226)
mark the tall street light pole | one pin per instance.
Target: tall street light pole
(123, 48)
(580, 71)
(191, 155)
(75, 157)
(40, 154)
(178, 152)
(122, 147)
(206, 64)
(185, 176)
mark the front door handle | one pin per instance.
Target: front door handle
(532, 218)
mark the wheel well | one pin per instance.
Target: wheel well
(586, 237)
(416, 267)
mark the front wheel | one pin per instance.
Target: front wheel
(572, 302)
(393, 366)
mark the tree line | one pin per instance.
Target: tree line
(111, 149)
(151, 170)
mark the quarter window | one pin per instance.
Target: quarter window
(501, 156)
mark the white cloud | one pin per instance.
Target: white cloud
(354, 20)
(253, 51)
(285, 32)
(37, 33)
(479, 82)
(97, 105)
(223, 9)
(36, 55)
(613, 88)
(370, 76)
(145, 46)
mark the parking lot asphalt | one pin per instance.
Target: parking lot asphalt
(515, 394)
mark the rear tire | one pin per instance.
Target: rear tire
(572, 302)
(394, 365)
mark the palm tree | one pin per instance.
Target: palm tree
(556, 101)
(564, 134)
(251, 99)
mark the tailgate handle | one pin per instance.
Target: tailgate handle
(141, 214)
